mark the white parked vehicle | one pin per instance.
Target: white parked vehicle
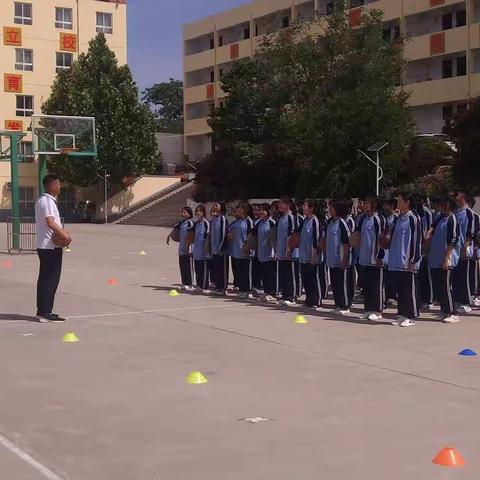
(441, 137)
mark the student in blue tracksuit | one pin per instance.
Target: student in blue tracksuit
(256, 273)
(231, 230)
(242, 256)
(371, 257)
(404, 257)
(389, 212)
(219, 241)
(461, 274)
(202, 249)
(425, 288)
(322, 270)
(311, 233)
(339, 257)
(185, 260)
(444, 256)
(286, 268)
(474, 270)
(297, 210)
(265, 231)
(353, 223)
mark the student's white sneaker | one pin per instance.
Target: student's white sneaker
(464, 309)
(451, 319)
(288, 303)
(317, 309)
(342, 311)
(408, 323)
(188, 288)
(219, 293)
(427, 306)
(269, 299)
(375, 317)
(257, 291)
(206, 291)
(476, 301)
(365, 315)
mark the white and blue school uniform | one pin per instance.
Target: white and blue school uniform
(425, 287)
(243, 259)
(286, 226)
(256, 268)
(308, 256)
(185, 259)
(299, 219)
(369, 254)
(342, 280)
(231, 229)
(390, 292)
(265, 230)
(202, 253)
(354, 225)
(404, 258)
(446, 233)
(462, 293)
(219, 242)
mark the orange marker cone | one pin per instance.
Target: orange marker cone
(7, 264)
(449, 457)
(112, 281)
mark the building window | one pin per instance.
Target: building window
(26, 152)
(461, 18)
(212, 77)
(447, 68)
(220, 41)
(24, 106)
(447, 21)
(23, 59)
(23, 13)
(63, 18)
(246, 33)
(285, 22)
(27, 199)
(104, 22)
(330, 8)
(461, 66)
(461, 108)
(64, 61)
(212, 43)
(447, 112)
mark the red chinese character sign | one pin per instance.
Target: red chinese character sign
(68, 42)
(16, 125)
(12, 36)
(12, 83)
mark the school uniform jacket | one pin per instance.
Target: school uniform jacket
(338, 235)
(406, 244)
(201, 244)
(243, 227)
(184, 226)
(310, 235)
(446, 232)
(370, 251)
(285, 227)
(265, 231)
(218, 235)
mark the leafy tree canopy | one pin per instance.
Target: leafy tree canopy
(96, 86)
(166, 101)
(301, 108)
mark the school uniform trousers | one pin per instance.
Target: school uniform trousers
(286, 279)
(442, 287)
(310, 275)
(48, 278)
(244, 274)
(219, 272)
(373, 288)
(323, 274)
(343, 286)
(202, 273)
(461, 283)
(298, 278)
(390, 292)
(256, 273)
(186, 269)
(235, 271)
(405, 284)
(473, 276)
(425, 288)
(269, 276)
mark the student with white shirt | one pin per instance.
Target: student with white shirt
(48, 228)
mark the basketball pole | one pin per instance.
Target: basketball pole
(42, 172)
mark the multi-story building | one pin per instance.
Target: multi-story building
(443, 51)
(40, 38)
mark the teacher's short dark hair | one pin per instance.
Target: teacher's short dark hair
(50, 178)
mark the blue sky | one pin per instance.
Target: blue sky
(155, 35)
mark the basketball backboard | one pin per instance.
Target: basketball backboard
(56, 135)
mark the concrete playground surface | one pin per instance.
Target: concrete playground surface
(344, 398)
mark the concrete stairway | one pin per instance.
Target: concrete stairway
(161, 212)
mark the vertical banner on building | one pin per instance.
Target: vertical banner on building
(12, 36)
(12, 83)
(68, 42)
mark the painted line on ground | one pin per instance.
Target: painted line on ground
(140, 312)
(46, 472)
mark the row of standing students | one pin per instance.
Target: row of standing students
(395, 250)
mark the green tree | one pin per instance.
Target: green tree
(166, 101)
(97, 86)
(309, 101)
(466, 132)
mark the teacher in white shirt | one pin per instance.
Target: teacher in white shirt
(51, 238)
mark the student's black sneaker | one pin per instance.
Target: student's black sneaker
(49, 317)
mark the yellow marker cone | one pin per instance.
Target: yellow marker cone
(173, 293)
(142, 253)
(196, 378)
(70, 338)
(67, 250)
(300, 320)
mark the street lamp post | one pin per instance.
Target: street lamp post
(377, 147)
(106, 184)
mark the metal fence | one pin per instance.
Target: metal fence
(25, 240)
